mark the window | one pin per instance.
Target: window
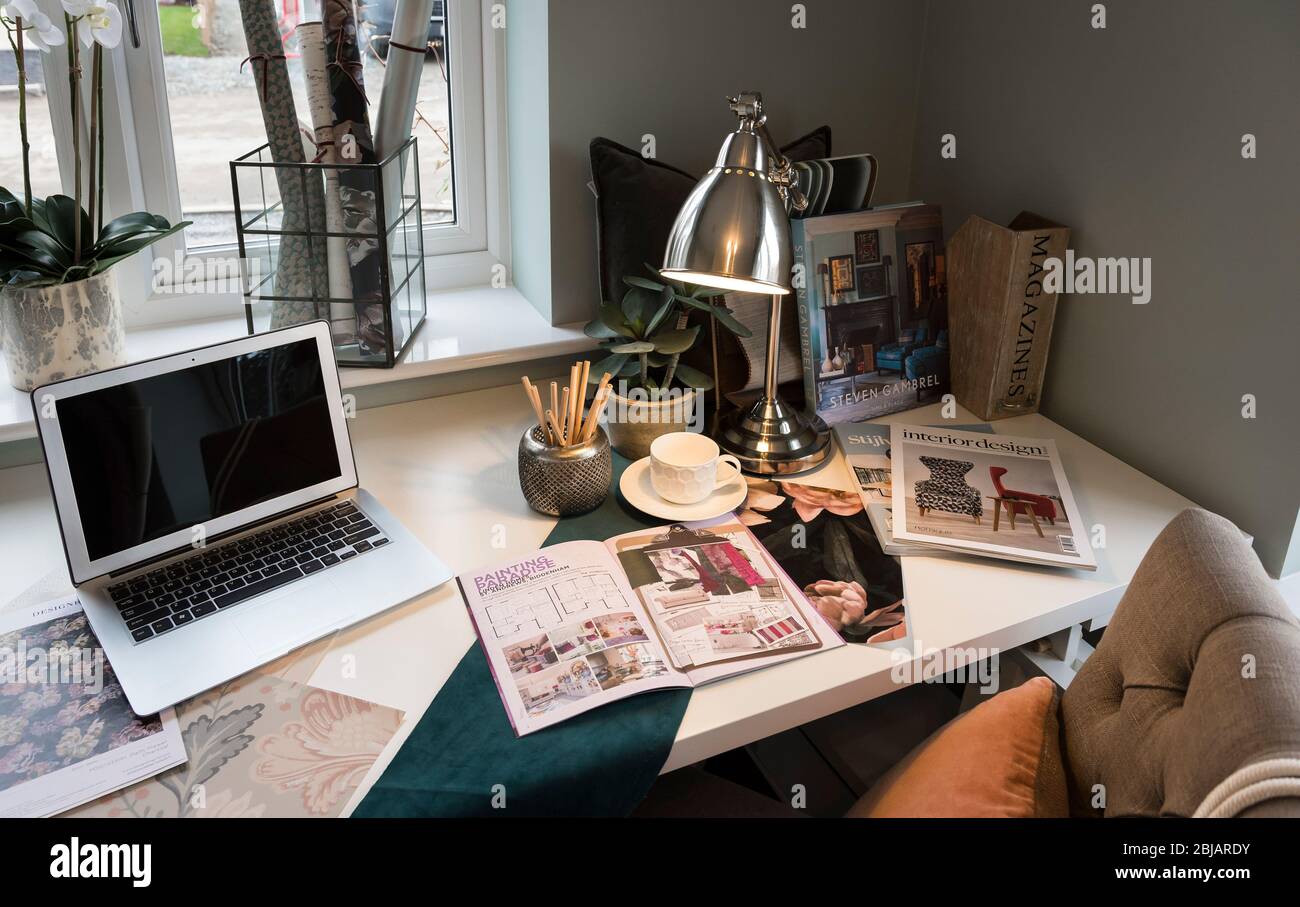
(40, 130)
(213, 105)
(185, 107)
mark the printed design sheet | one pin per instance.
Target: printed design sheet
(563, 634)
(67, 733)
(712, 593)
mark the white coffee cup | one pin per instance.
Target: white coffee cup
(684, 467)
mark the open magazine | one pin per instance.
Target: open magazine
(866, 452)
(823, 541)
(993, 495)
(584, 623)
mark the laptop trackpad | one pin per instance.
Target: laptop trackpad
(295, 617)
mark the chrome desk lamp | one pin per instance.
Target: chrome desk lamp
(733, 233)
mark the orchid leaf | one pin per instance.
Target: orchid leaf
(63, 213)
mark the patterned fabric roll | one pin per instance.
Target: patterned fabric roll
(298, 271)
(355, 145)
(311, 40)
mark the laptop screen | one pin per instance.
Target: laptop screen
(171, 451)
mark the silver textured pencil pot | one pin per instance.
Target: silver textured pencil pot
(564, 481)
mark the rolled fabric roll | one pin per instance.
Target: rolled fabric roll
(358, 188)
(311, 40)
(297, 273)
(406, 49)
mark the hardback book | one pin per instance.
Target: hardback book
(865, 447)
(871, 292)
(1001, 316)
(584, 623)
(993, 495)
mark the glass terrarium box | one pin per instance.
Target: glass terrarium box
(342, 243)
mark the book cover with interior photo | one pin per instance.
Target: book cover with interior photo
(993, 495)
(873, 310)
(584, 623)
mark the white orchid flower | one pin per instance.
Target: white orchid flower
(19, 9)
(38, 30)
(98, 21)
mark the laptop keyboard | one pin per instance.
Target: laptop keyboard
(213, 579)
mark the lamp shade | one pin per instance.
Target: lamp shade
(733, 231)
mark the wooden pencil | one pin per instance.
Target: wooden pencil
(531, 393)
(566, 414)
(550, 419)
(597, 407)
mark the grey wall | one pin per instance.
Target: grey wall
(625, 68)
(527, 109)
(1132, 136)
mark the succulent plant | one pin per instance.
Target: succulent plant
(646, 334)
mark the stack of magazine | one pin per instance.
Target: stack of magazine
(966, 490)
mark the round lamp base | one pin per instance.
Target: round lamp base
(772, 439)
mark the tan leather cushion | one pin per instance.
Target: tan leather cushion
(999, 760)
(1195, 677)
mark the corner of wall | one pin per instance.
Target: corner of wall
(528, 115)
(1291, 562)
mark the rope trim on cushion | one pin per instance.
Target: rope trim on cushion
(1249, 785)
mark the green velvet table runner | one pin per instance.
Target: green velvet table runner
(463, 758)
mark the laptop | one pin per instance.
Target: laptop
(211, 514)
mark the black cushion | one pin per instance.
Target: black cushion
(637, 200)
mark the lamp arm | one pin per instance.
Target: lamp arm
(782, 172)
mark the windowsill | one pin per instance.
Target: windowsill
(465, 329)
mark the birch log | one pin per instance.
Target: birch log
(311, 39)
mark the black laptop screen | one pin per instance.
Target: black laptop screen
(153, 456)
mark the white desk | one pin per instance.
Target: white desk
(446, 468)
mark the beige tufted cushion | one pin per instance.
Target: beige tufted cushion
(1161, 713)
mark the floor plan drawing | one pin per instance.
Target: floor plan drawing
(545, 607)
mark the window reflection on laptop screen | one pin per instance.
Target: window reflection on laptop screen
(167, 452)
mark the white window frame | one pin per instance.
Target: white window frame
(138, 141)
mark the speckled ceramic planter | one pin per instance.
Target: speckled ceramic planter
(634, 424)
(51, 333)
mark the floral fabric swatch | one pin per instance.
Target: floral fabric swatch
(45, 727)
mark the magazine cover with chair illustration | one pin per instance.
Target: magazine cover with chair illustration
(993, 495)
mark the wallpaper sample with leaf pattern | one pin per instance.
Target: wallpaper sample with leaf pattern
(262, 746)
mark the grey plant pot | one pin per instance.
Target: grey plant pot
(52, 333)
(634, 424)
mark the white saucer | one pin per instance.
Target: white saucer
(638, 492)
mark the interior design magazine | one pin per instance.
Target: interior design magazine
(866, 454)
(993, 495)
(580, 624)
(67, 734)
(873, 310)
(822, 540)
